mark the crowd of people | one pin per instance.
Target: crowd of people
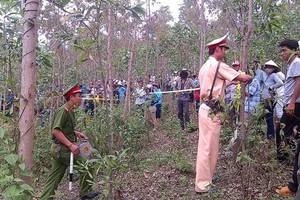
(147, 97)
(266, 86)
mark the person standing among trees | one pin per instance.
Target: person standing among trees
(64, 142)
(197, 95)
(252, 96)
(212, 76)
(121, 92)
(8, 104)
(271, 83)
(158, 96)
(140, 94)
(279, 97)
(291, 112)
(232, 88)
(183, 97)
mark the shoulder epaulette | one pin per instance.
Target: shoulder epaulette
(67, 108)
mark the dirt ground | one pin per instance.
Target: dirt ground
(165, 182)
(164, 168)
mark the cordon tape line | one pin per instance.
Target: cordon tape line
(174, 91)
(96, 98)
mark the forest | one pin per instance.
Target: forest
(46, 46)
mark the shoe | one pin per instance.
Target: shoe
(90, 195)
(284, 191)
(211, 190)
(215, 179)
(199, 193)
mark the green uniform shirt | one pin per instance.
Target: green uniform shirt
(64, 120)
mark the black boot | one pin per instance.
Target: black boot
(90, 195)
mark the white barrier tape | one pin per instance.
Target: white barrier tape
(174, 91)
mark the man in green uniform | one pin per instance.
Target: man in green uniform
(64, 142)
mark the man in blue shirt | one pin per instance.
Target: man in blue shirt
(121, 92)
(158, 96)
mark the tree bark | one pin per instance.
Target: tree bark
(244, 68)
(203, 33)
(130, 66)
(28, 84)
(110, 80)
(147, 44)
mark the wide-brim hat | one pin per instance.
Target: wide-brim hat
(220, 42)
(272, 64)
(72, 90)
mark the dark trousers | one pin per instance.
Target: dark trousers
(183, 112)
(197, 105)
(293, 186)
(269, 105)
(158, 111)
(61, 162)
(290, 121)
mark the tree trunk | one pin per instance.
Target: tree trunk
(28, 84)
(194, 64)
(130, 66)
(203, 33)
(244, 68)
(110, 80)
(147, 44)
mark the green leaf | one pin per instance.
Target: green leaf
(14, 16)
(18, 180)
(23, 197)
(80, 30)
(139, 8)
(26, 187)
(12, 191)
(3, 117)
(2, 132)
(22, 166)
(78, 47)
(64, 2)
(7, 179)
(11, 159)
(105, 192)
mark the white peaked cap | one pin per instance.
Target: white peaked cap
(218, 42)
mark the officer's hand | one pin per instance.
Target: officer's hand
(291, 108)
(74, 148)
(234, 82)
(81, 135)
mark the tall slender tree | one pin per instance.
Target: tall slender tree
(147, 39)
(28, 83)
(245, 48)
(130, 67)
(110, 74)
(203, 25)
